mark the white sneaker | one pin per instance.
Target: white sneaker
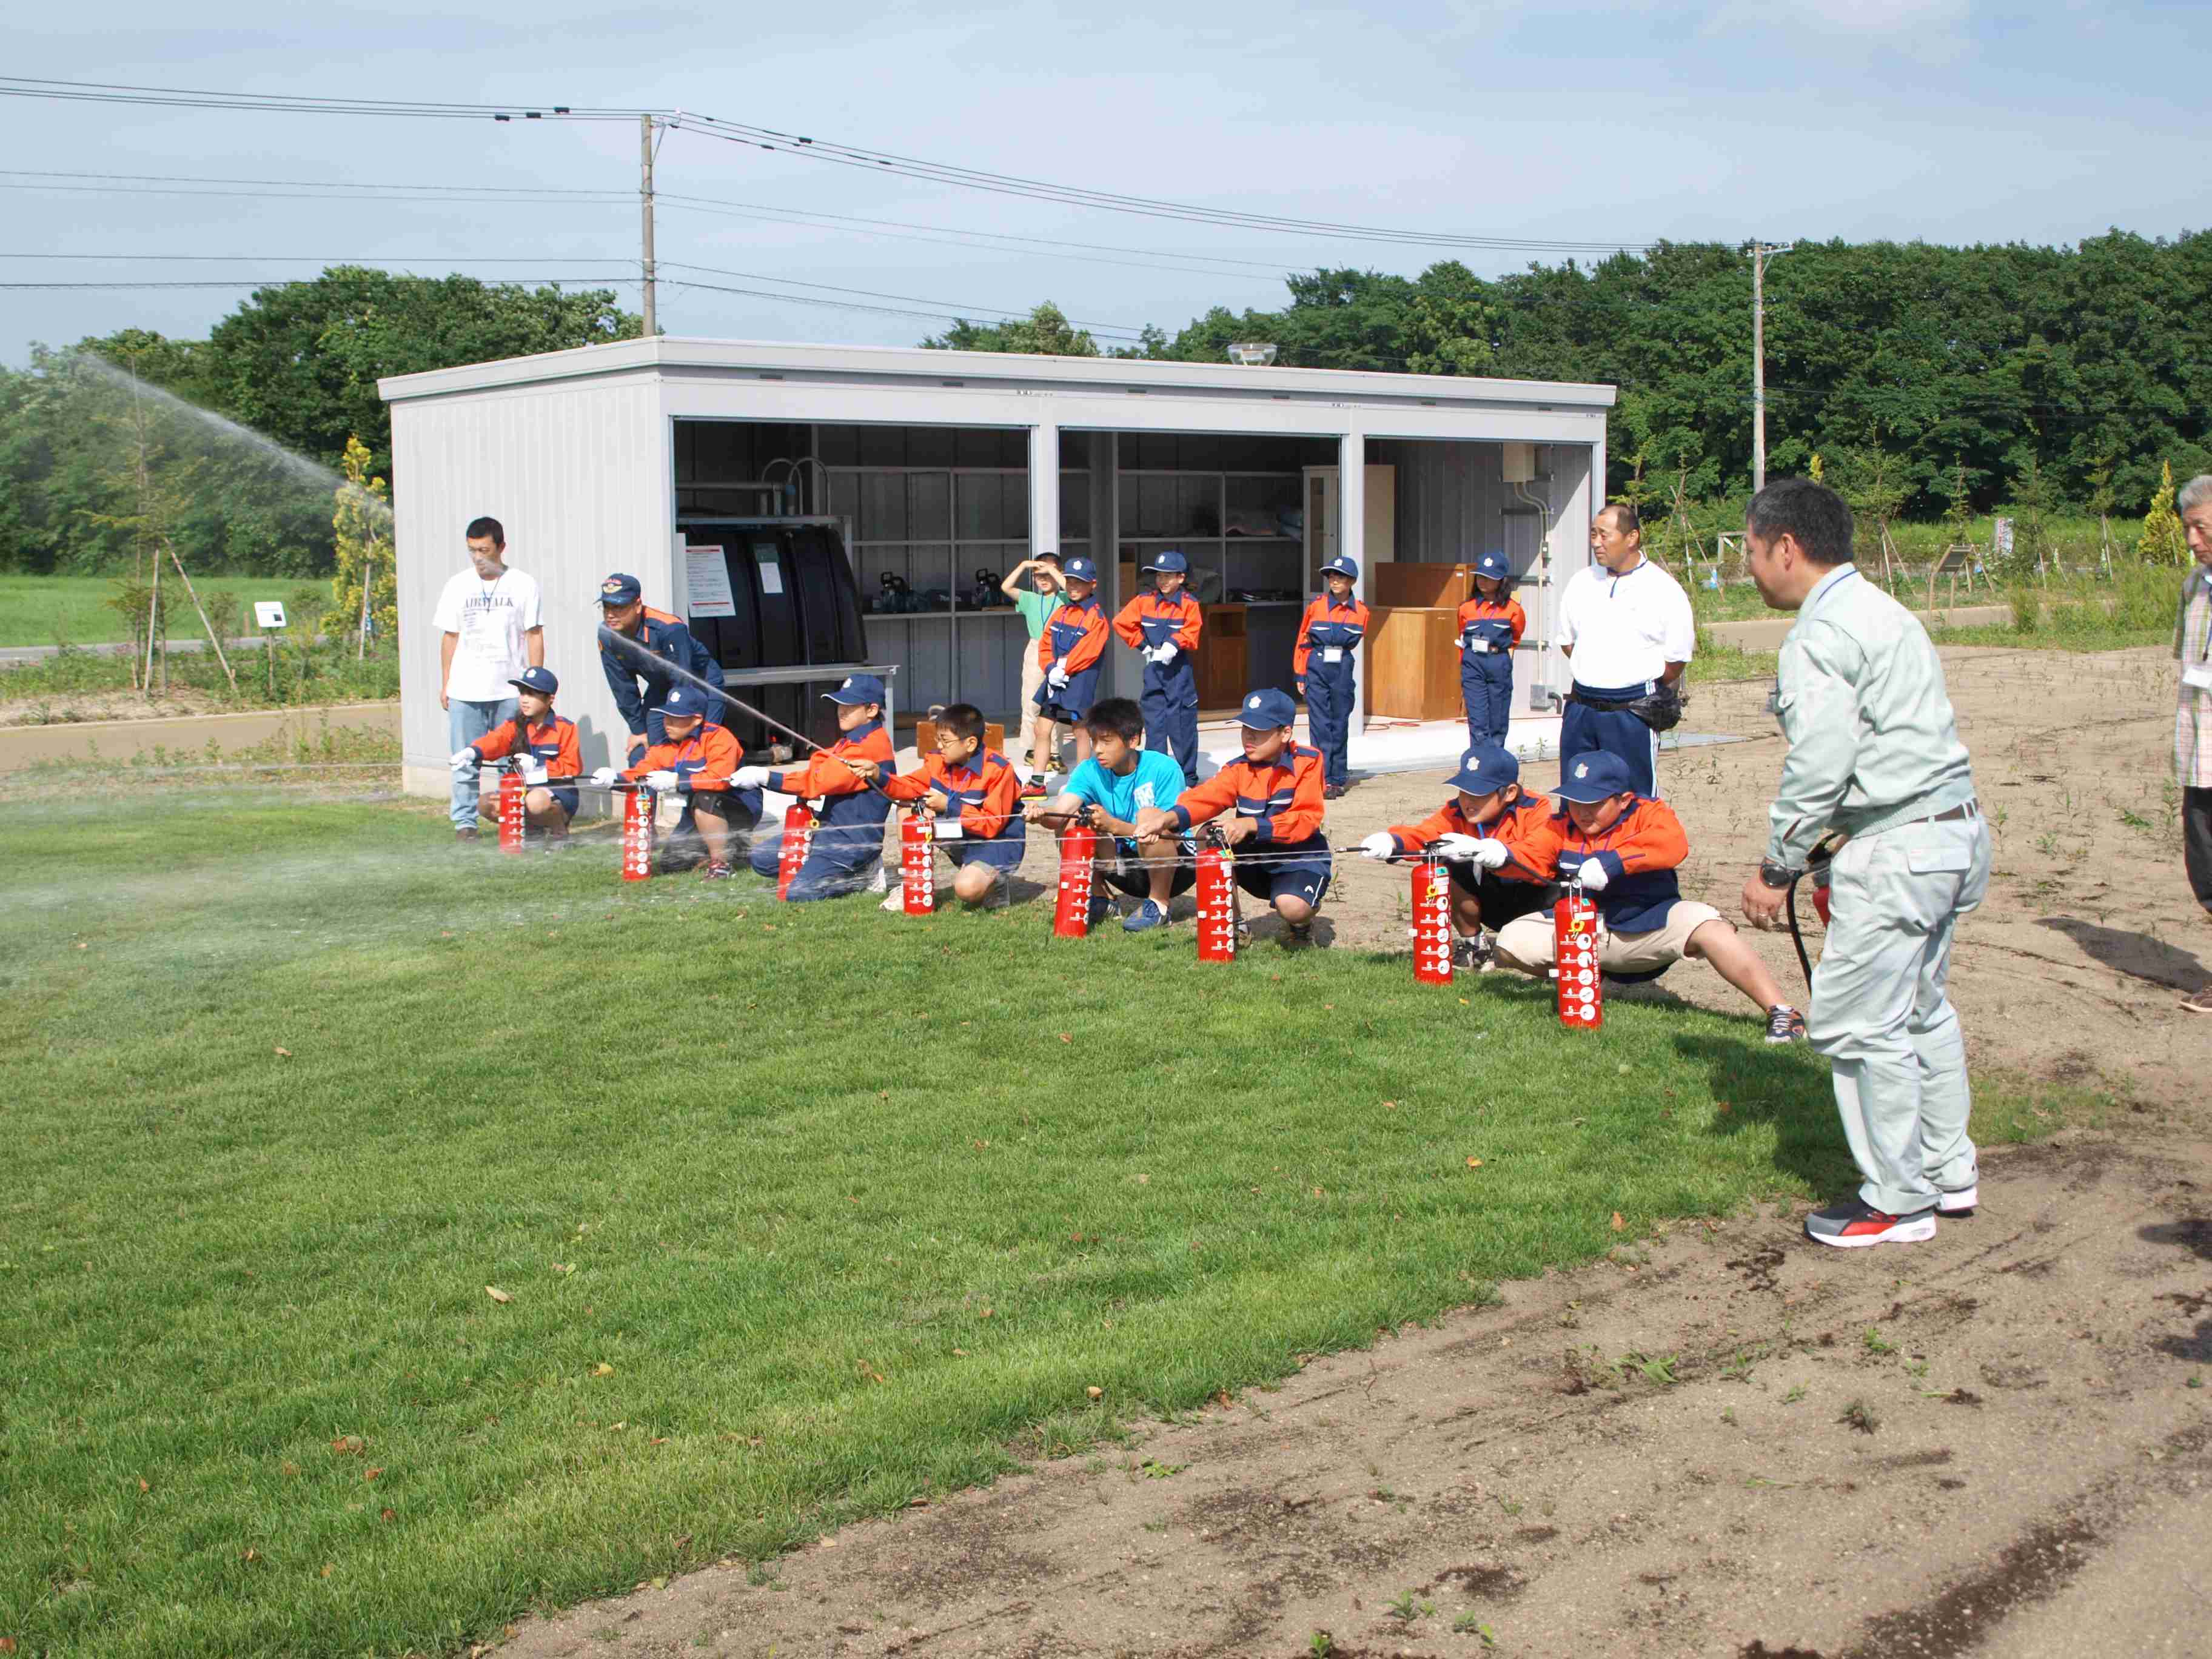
(896, 900)
(881, 880)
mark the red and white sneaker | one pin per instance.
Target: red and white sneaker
(1852, 1223)
(1963, 1202)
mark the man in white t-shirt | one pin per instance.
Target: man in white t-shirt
(1625, 624)
(489, 616)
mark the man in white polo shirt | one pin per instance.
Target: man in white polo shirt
(488, 618)
(1626, 625)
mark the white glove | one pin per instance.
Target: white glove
(463, 759)
(1456, 848)
(1165, 652)
(749, 777)
(947, 830)
(1490, 854)
(1380, 845)
(1056, 677)
(1592, 875)
(662, 779)
(604, 777)
(533, 771)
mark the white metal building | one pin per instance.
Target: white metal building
(944, 464)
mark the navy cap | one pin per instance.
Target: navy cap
(539, 680)
(1494, 564)
(684, 700)
(620, 589)
(861, 687)
(1263, 711)
(1342, 565)
(1594, 776)
(1486, 768)
(1171, 562)
(1078, 568)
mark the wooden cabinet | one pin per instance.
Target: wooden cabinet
(1413, 662)
(1222, 665)
(925, 737)
(1395, 584)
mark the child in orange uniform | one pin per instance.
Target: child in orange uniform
(976, 796)
(1164, 625)
(548, 745)
(697, 761)
(1334, 626)
(1069, 649)
(1275, 791)
(1478, 832)
(1624, 848)
(848, 828)
(1489, 625)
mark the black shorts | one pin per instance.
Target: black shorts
(1502, 900)
(1125, 874)
(1300, 868)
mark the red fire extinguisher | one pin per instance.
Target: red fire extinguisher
(1433, 928)
(1574, 951)
(1079, 853)
(798, 842)
(917, 866)
(1216, 900)
(637, 833)
(511, 794)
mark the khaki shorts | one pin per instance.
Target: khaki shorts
(1529, 940)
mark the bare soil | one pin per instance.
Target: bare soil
(1726, 1440)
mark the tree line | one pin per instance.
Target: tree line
(1935, 377)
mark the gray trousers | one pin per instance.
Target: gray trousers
(1881, 1014)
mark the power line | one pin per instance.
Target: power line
(268, 281)
(971, 311)
(335, 185)
(106, 92)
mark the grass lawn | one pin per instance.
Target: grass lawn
(74, 609)
(802, 1213)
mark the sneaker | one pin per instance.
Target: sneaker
(715, 871)
(1853, 1222)
(1034, 789)
(1146, 916)
(1473, 954)
(1297, 935)
(465, 834)
(1331, 792)
(1963, 1202)
(881, 880)
(1785, 1024)
(895, 898)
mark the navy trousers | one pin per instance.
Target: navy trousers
(1169, 701)
(1328, 715)
(1614, 730)
(1485, 686)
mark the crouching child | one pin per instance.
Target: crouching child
(848, 841)
(975, 796)
(1110, 791)
(1624, 848)
(1477, 832)
(547, 744)
(697, 761)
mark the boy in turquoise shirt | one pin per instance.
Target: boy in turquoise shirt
(1109, 789)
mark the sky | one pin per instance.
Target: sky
(1955, 121)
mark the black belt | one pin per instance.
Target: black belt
(1605, 705)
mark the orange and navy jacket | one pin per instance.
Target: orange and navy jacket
(1498, 623)
(702, 762)
(1328, 624)
(666, 637)
(846, 801)
(1514, 825)
(986, 792)
(1283, 797)
(1148, 620)
(554, 743)
(1075, 634)
(1639, 854)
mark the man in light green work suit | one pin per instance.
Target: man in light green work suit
(1875, 752)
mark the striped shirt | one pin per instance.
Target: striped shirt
(2192, 645)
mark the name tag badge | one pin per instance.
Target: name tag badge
(1332, 653)
(2197, 675)
(1478, 645)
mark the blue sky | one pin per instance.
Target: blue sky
(1947, 120)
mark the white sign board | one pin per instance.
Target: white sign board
(771, 574)
(269, 613)
(707, 580)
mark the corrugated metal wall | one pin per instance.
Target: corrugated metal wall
(579, 475)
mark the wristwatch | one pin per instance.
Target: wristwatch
(1777, 876)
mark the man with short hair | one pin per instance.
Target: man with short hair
(640, 689)
(1626, 627)
(489, 617)
(2192, 719)
(1874, 753)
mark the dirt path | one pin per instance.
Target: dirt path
(1740, 1444)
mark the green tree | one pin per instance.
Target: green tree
(1045, 332)
(361, 529)
(2162, 541)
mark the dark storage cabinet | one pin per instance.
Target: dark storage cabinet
(796, 604)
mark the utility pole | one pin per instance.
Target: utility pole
(645, 134)
(1761, 251)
